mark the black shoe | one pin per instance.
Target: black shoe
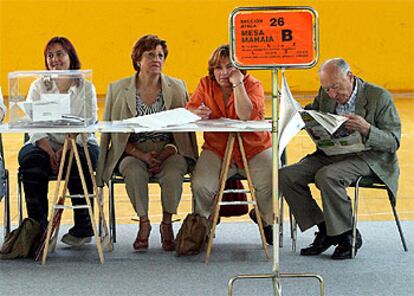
(320, 244)
(268, 233)
(252, 216)
(81, 232)
(75, 241)
(344, 248)
(268, 230)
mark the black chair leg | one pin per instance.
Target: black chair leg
(20, 197)
(397, 221)
(112, 219)
(7, 222)
(293, 231)
(100, 220)
(355, 216)
(281, 210)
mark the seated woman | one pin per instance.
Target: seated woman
(162, 156)
(230, 92)
(40, 156)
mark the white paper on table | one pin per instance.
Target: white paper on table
(46, 111)
(174, 117)
(185, 126)
(290, 121)
(62, 99)
(250, 124)
(258, 124)
(219, 122)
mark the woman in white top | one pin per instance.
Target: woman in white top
(40, 156)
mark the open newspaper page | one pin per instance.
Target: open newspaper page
(325, 129)
(331, 122)
(339, 142)
(290, 122)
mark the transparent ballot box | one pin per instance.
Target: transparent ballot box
(51, 98)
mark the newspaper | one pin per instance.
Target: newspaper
(337, 140)
(325, 129)
(290, 122)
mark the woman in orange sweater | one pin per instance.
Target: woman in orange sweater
(231, 93)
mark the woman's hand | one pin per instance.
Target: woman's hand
(164, 154)
(153, 163)
(242, 103)
(59, 153)
(53, 158)
(150, 158)
(54, 162)
(203, 111)
(236, 77)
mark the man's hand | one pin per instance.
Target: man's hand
(357, 123)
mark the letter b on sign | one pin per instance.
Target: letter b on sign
(287, 35)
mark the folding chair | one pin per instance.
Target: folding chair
(363, 182)
(375, 183)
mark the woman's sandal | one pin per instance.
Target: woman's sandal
(141, 242)
(167, 236)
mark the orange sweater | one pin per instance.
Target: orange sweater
(209, 93)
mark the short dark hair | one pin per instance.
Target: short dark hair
(145, 43)
(219, 53)
(75, 63)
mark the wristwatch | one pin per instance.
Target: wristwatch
(237, 84)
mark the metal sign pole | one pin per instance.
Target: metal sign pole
(276, 275)
(277, 289)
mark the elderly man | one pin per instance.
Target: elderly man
(371, 112)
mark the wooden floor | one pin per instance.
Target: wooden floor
(373, 204)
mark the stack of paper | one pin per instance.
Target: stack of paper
(162, 119)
